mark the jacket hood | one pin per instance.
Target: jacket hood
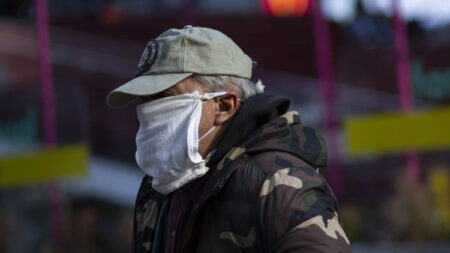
(263, 124)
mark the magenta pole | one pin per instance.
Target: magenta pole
(48, 108)
(404, 82)
(325, 72)
(46, 73)
(401, 51)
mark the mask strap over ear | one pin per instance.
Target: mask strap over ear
(209, 131)
(206, 97)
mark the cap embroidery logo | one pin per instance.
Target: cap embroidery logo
(148, 57)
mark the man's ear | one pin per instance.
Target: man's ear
(227, 106)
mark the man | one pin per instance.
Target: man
(228, 169)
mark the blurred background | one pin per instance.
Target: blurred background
(373, 75)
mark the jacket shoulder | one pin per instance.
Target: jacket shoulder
(296, 204)
(272, 161)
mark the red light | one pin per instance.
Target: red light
(282, 8)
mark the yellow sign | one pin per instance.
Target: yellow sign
(439, 181)
(45, 165)
(396, 132)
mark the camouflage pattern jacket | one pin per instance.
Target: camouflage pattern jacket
(264, 193)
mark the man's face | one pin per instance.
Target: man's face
(209, 109)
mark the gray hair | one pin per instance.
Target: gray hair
(242, 86)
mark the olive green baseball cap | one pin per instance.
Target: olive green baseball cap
(177, 54)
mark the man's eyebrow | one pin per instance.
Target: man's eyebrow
(167, 93)
(151, 97)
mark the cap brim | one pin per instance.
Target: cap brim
(143, 86)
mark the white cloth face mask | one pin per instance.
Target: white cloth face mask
(167, 140)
